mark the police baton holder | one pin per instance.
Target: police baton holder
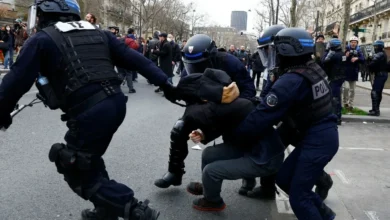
(20, 108)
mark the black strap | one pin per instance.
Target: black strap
(56, 37)
(93, 100)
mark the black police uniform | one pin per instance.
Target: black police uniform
(79, 64)
(379, 67)
(194, 52)
(301, 98)
(335, 66)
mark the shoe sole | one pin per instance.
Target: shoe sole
(166, 186)
(194, 193)
(209, 209)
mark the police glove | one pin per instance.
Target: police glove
(5, 120)
(169, 92)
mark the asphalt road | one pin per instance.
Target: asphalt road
(30, 187)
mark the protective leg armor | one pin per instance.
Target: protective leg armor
(178, 153)
(375, 104)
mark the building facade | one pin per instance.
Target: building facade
(239, 20)
(369, 20)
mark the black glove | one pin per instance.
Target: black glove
(169, 92)
(5, 120)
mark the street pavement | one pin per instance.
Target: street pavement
(31, 188)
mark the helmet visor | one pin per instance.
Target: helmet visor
(32, 19)
(199, 67)
(268, 56)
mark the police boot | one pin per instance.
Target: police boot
(140, 211)
(247, 185)
(175, 171)
(326, 212)
(98, 214)
(262, 192)
(323, 185)
(375, 105)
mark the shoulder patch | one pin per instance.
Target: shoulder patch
(319, 89)
(74, 25)
(272, 100)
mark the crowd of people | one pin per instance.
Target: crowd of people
(12, 39)
(298, 106)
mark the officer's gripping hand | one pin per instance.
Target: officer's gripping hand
(5, 120)
(230, 93)
(169, 92)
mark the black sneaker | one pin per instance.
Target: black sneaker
(195, 188)
(97, 214)
(203, 205)
(132, 91)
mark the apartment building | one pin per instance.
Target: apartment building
(362, 16)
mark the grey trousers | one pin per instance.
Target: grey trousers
(129, 79)
(228, 162)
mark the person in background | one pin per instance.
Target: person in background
(319, 49)
(91, 18)
(164, 53)
(354, 58)
(176, 53)
(243, 56)
(257, 68)
(232, 50)
(181, 64)
(9, 56)
(4, 45)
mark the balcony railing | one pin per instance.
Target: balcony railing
(368, 12)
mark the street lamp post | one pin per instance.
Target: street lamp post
(193, 24)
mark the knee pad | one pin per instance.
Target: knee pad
(374, 94)
(176, 132)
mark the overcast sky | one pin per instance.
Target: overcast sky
(219, 11)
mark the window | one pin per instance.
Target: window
(360, 5)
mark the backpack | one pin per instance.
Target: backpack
(130, 42)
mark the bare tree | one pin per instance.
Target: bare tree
(269, 12)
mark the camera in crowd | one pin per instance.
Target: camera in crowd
(353, 53)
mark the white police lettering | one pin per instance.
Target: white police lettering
(319, 89)
(74, 25)
(344, 58)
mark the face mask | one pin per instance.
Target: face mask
(8, 28)
(169, 39)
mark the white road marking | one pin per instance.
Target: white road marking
(371, 215)
(32, 92)
(361, 148)
(282, 203)
(340, 174)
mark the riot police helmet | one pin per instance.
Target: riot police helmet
(197, 53)
(294, 42)
(50, 11)
(268, 34)
(378, 46)
(266, 49)
(335, 44)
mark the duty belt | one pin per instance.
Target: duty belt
(108, 90)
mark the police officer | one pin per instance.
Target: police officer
(198, 54)
(334, 65)
(266, 190)
(266, 51)
(379, 67)
(76, 62)
(302, 96)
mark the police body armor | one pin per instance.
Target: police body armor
(337, 70)
(320, 103)
(381, 67)
(85, 60)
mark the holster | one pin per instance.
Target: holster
(70, 158)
